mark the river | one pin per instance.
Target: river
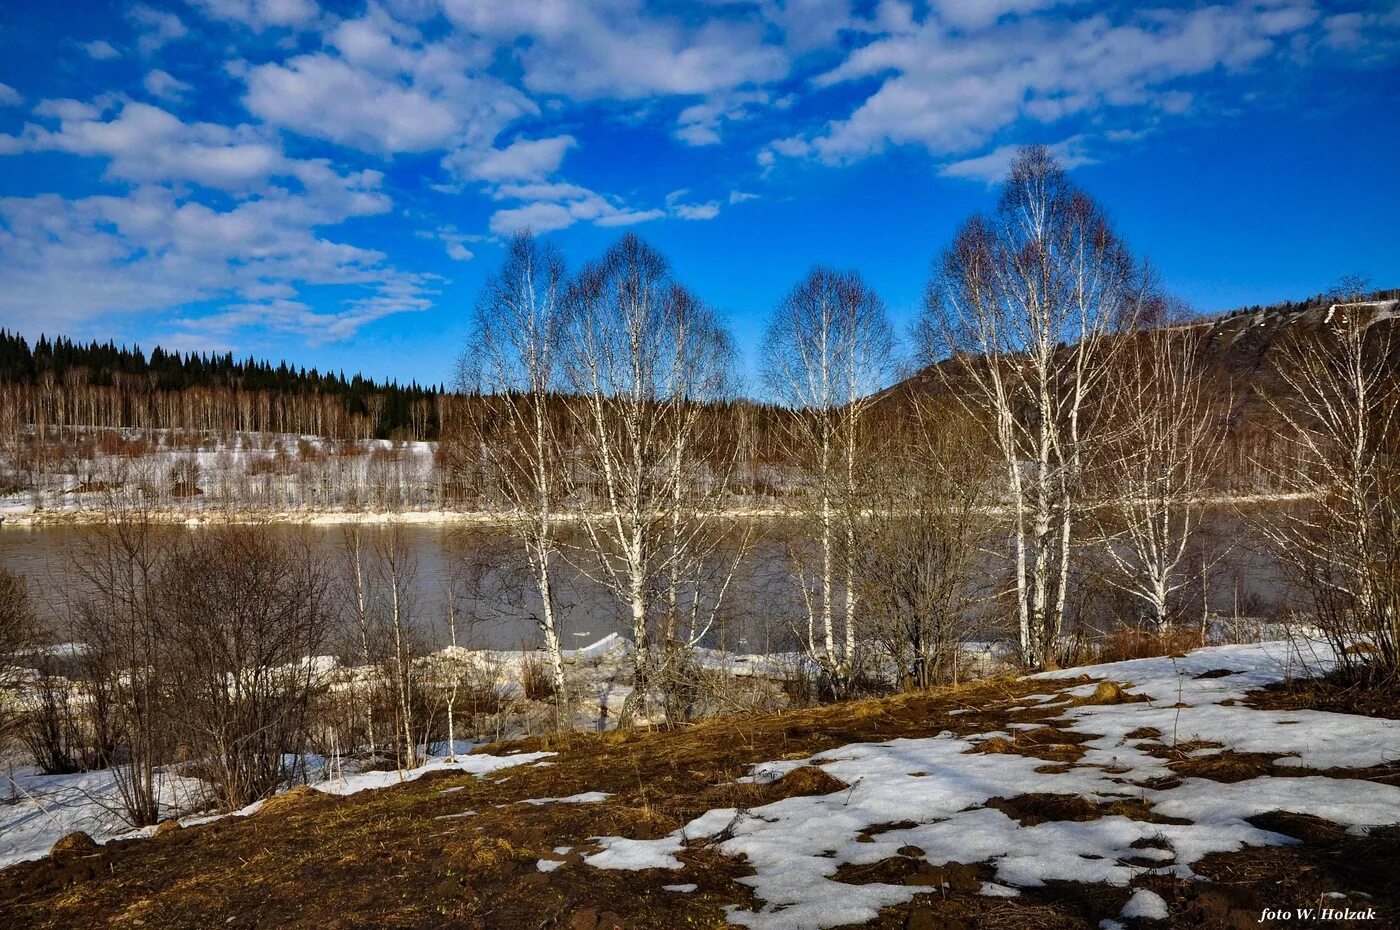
(497, 610)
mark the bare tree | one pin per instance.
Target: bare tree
(642, 357)
(828, 348)
(1022, 310)
(1341, 416)
(513, 359)
(1167, 440)
(452, 666)
(397, 568)
(356, 587)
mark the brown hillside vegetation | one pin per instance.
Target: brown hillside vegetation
(454, 850)
(1239, 352)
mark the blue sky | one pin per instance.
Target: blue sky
(328, 182)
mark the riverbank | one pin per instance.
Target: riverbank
(29, 517)
(25, 516)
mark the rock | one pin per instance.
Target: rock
(584, 919)
(74, 844)
(805, 780)
(1110, 692)
(281, 803)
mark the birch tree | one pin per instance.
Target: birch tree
(1341, 417)
(1168, 435)
(357, 594)
(398, 572)
(513, 359)
(643, 355)
(1023, 309)
(827, 349)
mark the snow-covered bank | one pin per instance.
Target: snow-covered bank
(930, 798)
(41, 809)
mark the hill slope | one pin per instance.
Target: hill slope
(1193, 792)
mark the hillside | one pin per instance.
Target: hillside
(1195, 791)
(1238, 346)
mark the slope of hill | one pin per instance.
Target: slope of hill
(1203, 790)
(1238, 343)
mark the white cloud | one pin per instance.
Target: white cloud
(977, 14)
(952, 92)
(992, 167)
(101, 50)
(70, 261)
(148, 145)
(454, 241)
(167, 243)
(382, 90)
(616, 49)
(556, 206)
(9, 97)
(741, 197)
(261, 14)
(165, 85)
(628, 217)
(522, 160)
(700, 123)
(157, 28)
(697, 211)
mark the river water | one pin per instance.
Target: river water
(482, 566)
(497, 609)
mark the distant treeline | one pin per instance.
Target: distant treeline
(60, 383)
(145, 385)
(1313, 303)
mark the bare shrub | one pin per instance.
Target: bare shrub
(536, 676)
(1144, 642)
(243, 616)
(17, 630)
(919, 547)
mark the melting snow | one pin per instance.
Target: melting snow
(49, 807)
(796, 846)
(1147, 904)
(587, 797)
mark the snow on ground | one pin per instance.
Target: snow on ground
(796, 846)
(478, 765)
(49, 807)
(586, 797)
(46, 808)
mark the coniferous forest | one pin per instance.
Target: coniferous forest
(130, 388)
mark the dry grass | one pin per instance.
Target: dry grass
(1128, 642)
(405, 858)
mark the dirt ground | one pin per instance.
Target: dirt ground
(410, 856)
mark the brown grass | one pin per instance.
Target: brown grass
(399, 858)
